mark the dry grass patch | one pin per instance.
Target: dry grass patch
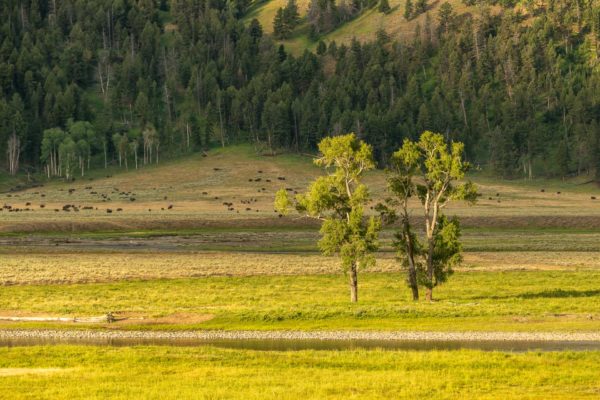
(538, 260)
(19, 269)
(65, 268)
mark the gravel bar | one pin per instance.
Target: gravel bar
(44, 334)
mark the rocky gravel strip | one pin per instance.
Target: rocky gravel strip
(39, 334)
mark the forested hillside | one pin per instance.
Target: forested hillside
(85, 84)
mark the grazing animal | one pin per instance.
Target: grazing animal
(108, 211)
(170, 206)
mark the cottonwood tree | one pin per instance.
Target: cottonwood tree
(338, 200)
(50, 155)
(151, 143)
(402, 170)
(13, 152)
(84, 136)
(67, 155)
(429, 169)
(121, 143)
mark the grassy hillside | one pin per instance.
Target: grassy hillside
(233, 184)
(364, 27)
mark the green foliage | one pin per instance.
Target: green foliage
(420, 6)
(446, 255)
(286, 19)
(408, 10)
(338, 199)
(445, 17)
(520, 91)
(384, 6)
(321, 48)
(428, 169)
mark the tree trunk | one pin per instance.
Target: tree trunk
(429, 293)
(353, 283)
(13, 152)
(410, 255)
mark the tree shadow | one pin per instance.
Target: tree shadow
(560, 293)
(431, 6)
(545, 294)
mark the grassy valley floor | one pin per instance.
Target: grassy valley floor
(544, 300)
(221, 260)
(151, 372)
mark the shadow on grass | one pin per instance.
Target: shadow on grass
(559, 293)
(545, 294)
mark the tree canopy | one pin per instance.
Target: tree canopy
(521, 91)
(338, 199)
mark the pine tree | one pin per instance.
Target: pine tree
(279, 24)
(291, 17)
(408, 10)
(321, 48)
(384, 6)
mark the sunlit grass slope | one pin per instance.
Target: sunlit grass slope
(364, 27)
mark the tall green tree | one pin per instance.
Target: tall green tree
(432, 170)
(401, 175)
(338, 199)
